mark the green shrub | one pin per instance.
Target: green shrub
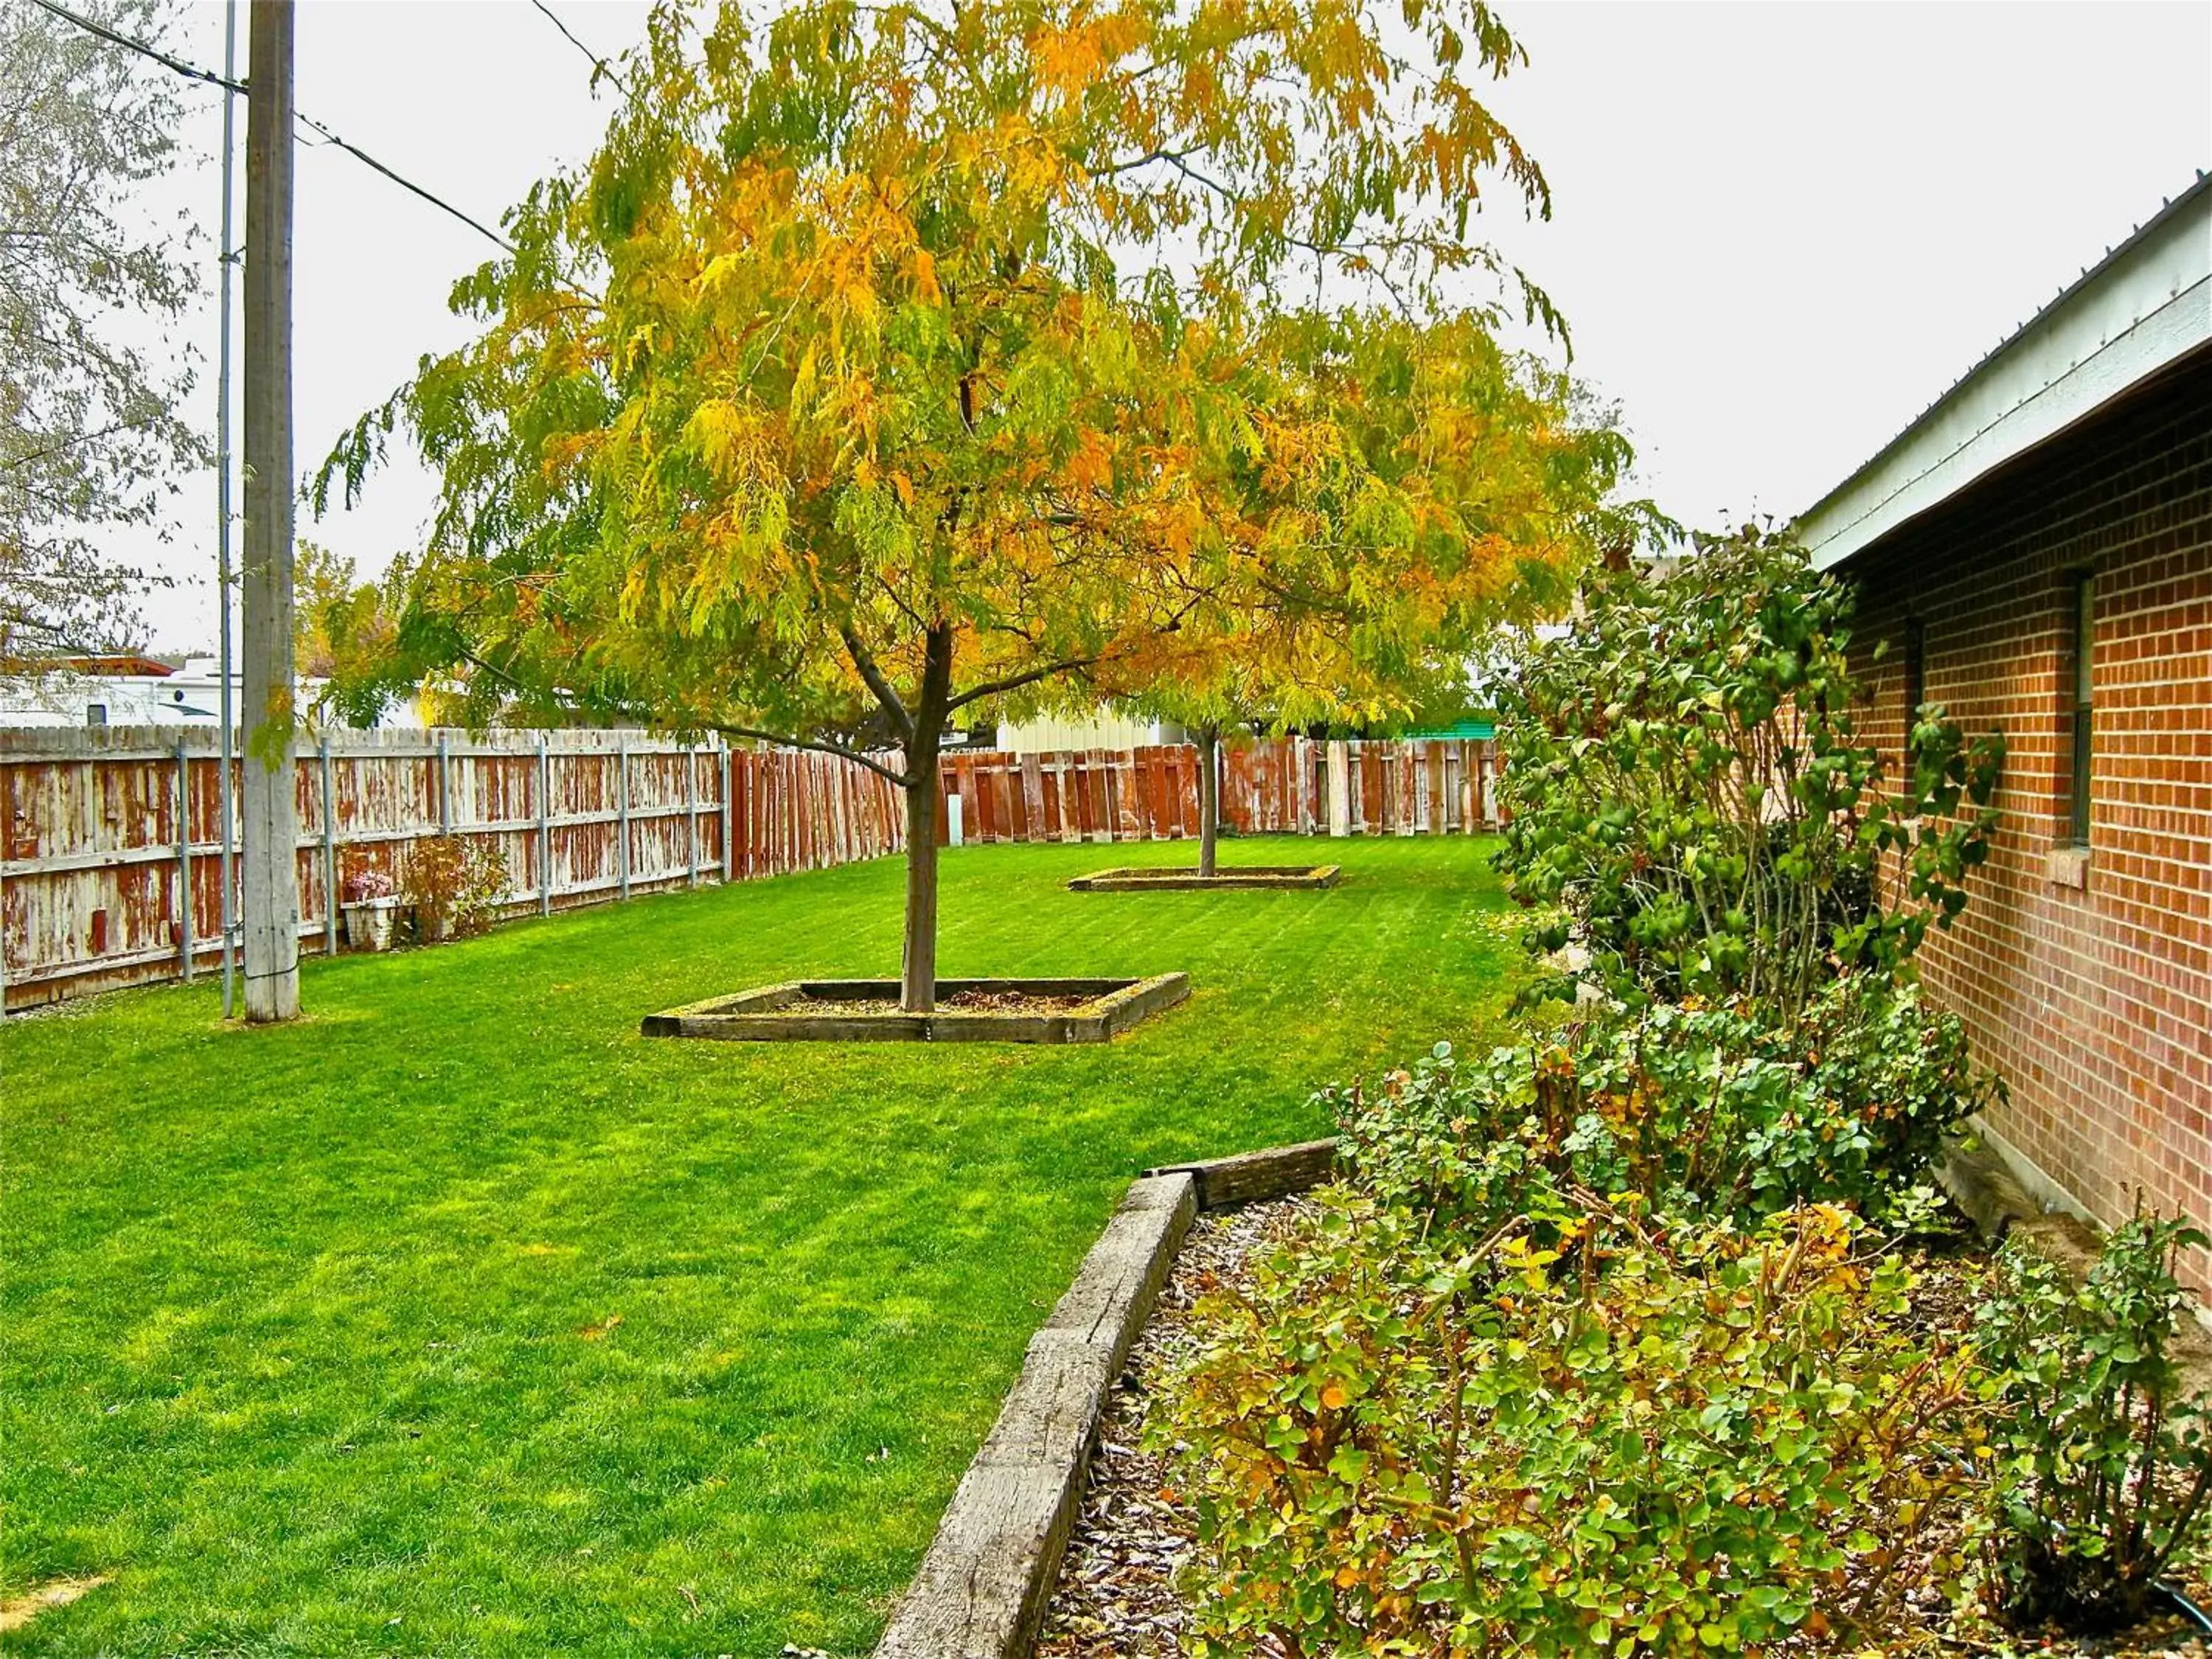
(2106, 1461)
(1685, 1107)
(1691, 801)
(1404, 1439)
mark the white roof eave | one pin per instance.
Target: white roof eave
(2148, 305)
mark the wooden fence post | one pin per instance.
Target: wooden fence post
(445, 788)
(329, 852)
(621, 810)
(185, 860)
(545, 829)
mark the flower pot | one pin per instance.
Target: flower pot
(368, 924)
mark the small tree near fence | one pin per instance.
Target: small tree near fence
(1337, 617)
(849, 386)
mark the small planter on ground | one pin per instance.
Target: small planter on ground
(967, 1011)
(1186, 879)
(368, 904)
(369, 923)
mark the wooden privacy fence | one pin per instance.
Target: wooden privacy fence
(111, 840)
(1283, 786)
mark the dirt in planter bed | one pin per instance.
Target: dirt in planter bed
(1117, 1598)
(961, 1002)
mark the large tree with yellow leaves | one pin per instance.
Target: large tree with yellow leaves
(890, 359)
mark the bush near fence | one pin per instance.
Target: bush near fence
(111, 838)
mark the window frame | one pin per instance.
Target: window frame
(2077, 704)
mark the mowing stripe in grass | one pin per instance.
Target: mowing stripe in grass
(311, 1329)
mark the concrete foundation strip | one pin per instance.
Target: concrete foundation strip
(984, 1584)
(1983, 1184)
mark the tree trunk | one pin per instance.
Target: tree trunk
(925, 739)
(1209, 796)
(918, 973)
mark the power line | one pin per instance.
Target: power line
(179, 66)
(363, 156)
(598, 63)
(141, 48)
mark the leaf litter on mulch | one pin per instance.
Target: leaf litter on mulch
(1117, 1599)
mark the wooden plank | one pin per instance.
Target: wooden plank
(1251, 1177)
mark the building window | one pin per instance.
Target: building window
(1916, 673)
(95, 714)
(2079, 703)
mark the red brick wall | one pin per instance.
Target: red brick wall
(2095, 1002)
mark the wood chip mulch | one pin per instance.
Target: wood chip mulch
(1116, 1597)
(1116, 1594)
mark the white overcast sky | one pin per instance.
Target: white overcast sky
(1779, 230)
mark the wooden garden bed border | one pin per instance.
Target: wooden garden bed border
(1171, 878)
(766, 1014)
(983, 1587)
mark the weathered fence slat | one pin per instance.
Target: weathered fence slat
(330, 893)
(184, 864)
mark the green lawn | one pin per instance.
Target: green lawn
(460, 1319)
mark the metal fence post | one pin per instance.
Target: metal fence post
(185, 860)
(329, 852)
(621, 810)
(545, 829)
(729, 816)
(691, 814)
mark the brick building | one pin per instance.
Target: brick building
(2036, 550)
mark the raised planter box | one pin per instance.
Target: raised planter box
(1186, 879)
(823, 1010)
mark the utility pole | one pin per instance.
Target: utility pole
(228, 707)
(270, 827)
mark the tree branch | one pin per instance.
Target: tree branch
(645, 718)
(872, 674)
(790, 742)
(1015, 682)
